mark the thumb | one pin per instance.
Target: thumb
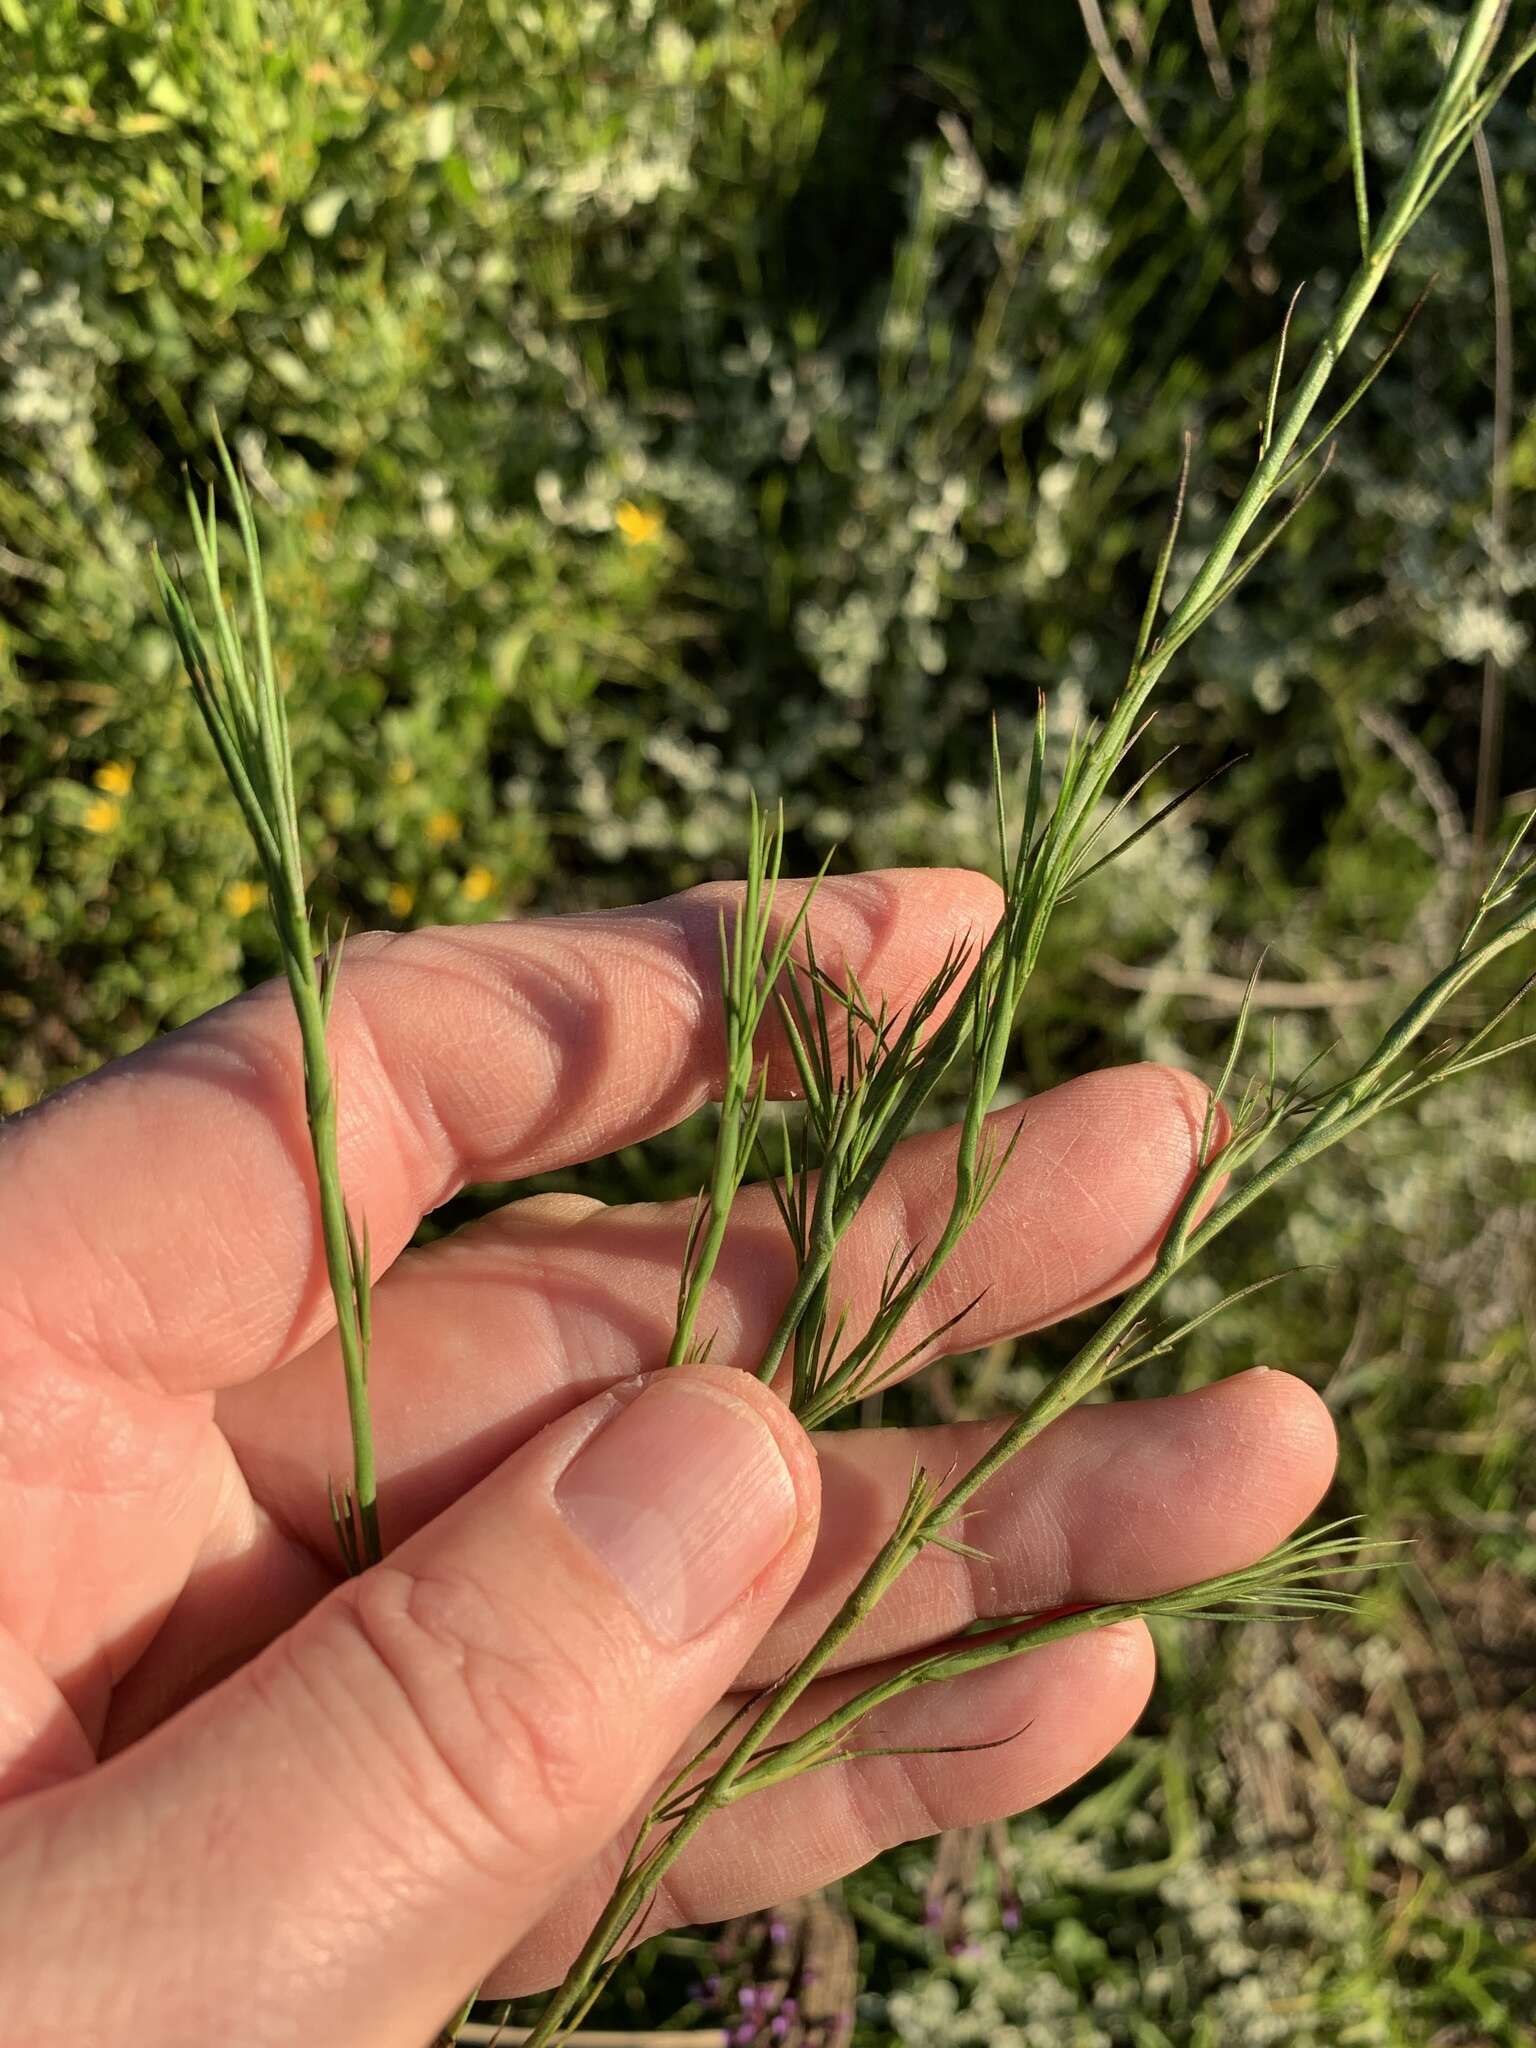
(349, 1831)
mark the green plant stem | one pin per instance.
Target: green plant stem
(750, 971)
(1403, 209)
(740, 1776)
(725, 1178)
(1354, 1104)
(336, 1234)
(242, 706)
(997, 993)
(455, 2027)
(1188, 1235)
(833, 1218)
(1312, 1557)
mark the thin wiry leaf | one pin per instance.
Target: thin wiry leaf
(1165, 557)
(1272, 398)
(1357, 149)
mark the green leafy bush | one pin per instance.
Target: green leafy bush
(651, 402)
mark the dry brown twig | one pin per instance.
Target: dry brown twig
(1227, 993)
(1138, 113)
(1210, 43)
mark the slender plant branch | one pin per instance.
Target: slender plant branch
(1139, 114)
(750, 971)
(240, 697)
(1210, 43)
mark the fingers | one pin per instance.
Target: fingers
(1053, 1714)
(485, 1336)
(1110, 1503)
(354, 1822)
(41, 1742)
(158, 1219)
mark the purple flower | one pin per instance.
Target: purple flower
(778, 1933)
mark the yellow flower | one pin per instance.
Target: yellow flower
(401, 899)
(477, 884)
(443, 826)
(115, 777)
(636, 526)
(102, 816)
(241, 898)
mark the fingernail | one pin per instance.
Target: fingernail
(685, 1498)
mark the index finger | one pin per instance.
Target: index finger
(159, 1219)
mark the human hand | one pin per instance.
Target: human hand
(231, 1783)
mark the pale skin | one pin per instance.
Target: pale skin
(231, 1781)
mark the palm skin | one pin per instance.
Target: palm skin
(240, 1780)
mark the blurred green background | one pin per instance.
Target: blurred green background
(648, 402)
